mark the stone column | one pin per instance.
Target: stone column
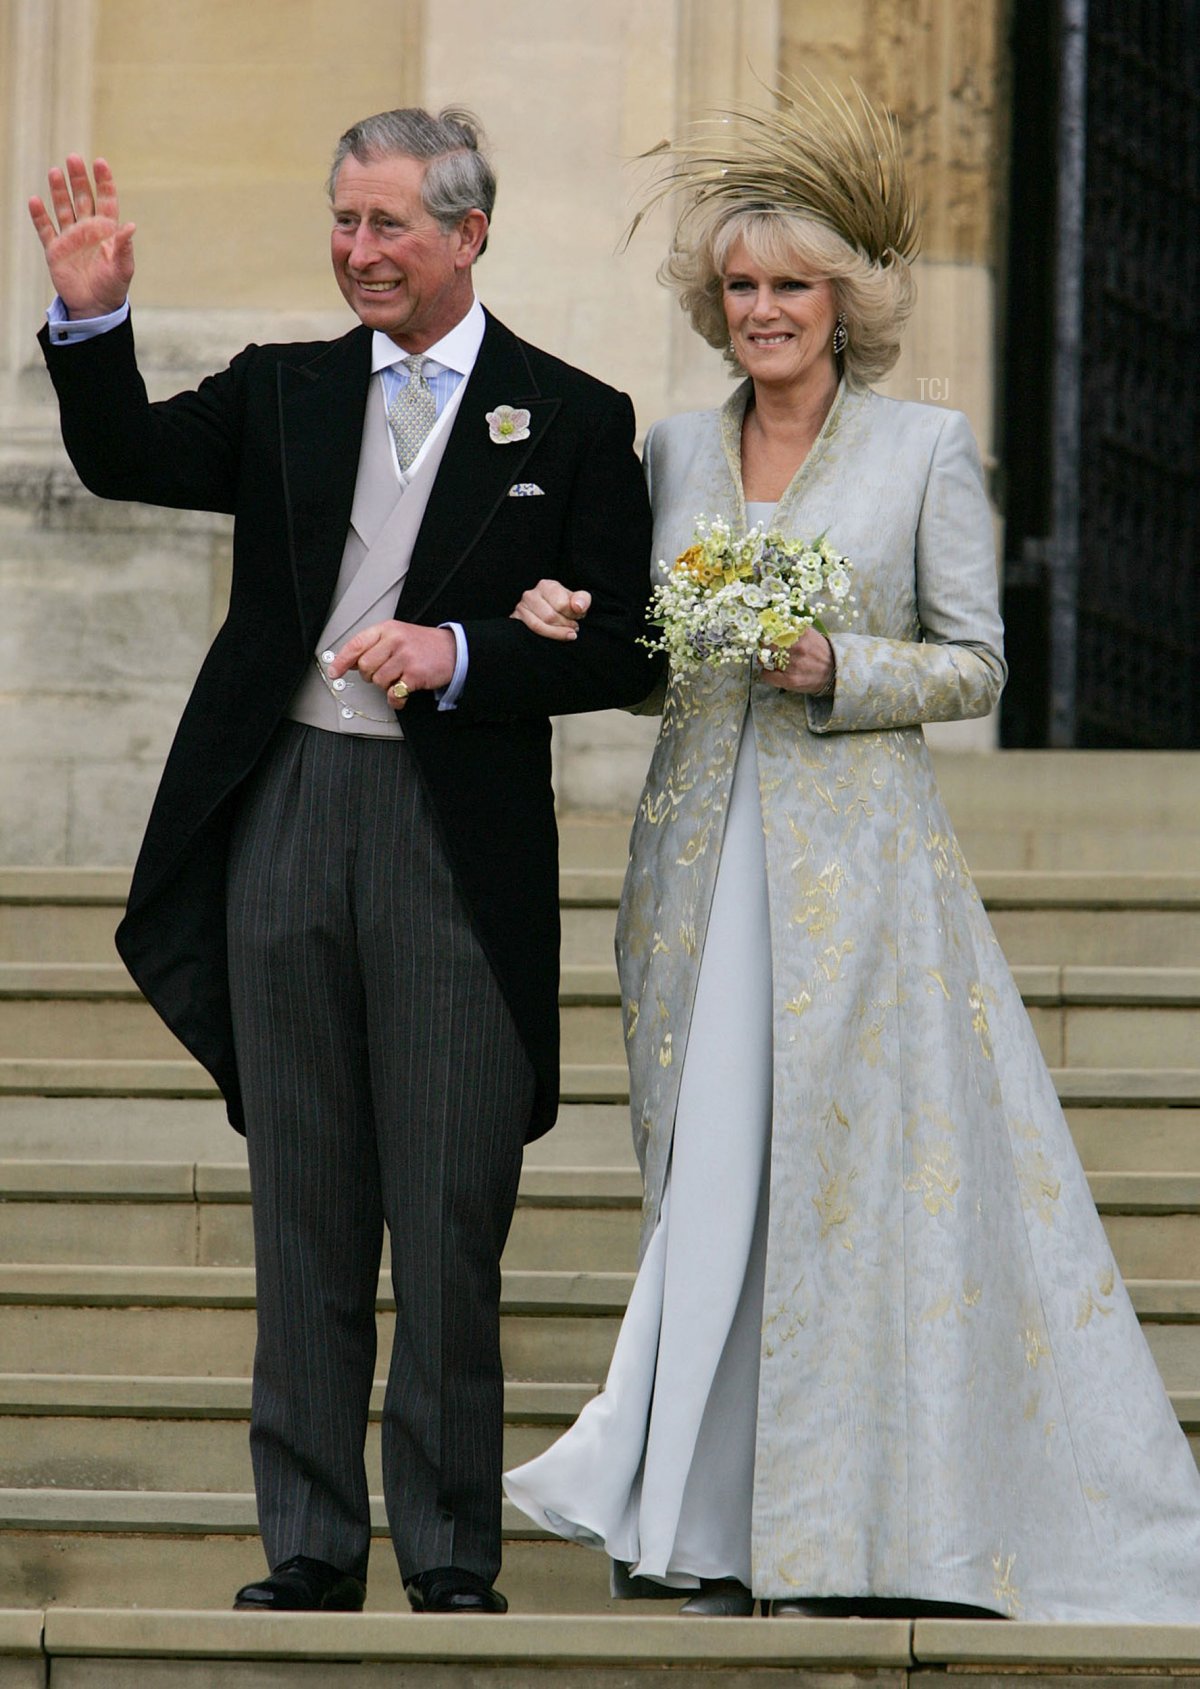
(45, 83)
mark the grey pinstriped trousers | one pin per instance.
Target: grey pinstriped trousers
(384, 1081)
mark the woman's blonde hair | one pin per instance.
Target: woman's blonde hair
(875, 298)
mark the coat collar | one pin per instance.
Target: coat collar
(322, 403)
(476, 473)
(732, 414)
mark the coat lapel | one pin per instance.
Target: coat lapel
(321, 408)
(476, 473)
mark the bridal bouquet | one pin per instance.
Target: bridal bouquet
(727, 600)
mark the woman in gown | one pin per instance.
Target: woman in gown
(877, 1347)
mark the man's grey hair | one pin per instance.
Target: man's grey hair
(458, 177)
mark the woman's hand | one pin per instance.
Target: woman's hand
(811, 666)
(553, 611)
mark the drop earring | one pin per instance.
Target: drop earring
(840, 337)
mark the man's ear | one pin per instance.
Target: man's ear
(472, 232)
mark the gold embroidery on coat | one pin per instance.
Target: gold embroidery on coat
(1036, 1347)
(935, 1182)
(656, 809)
(979, 1019)
(971, 1295)
(868, 1043)
(832, 957)
(1088, 1304)
(1004, 1590)
(831, 879)
(694, 849)
(1040, 1190)
(832, 1202)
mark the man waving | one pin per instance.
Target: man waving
(346, 901)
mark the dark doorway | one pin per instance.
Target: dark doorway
(1101, 432)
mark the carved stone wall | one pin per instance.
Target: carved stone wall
(939, 67)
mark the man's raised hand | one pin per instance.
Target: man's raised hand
(89, 251)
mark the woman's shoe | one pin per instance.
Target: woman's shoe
(787, 1608)
(719, 1598)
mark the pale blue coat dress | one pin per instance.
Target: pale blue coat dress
(877, 1345)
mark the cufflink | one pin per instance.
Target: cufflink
(525, 489)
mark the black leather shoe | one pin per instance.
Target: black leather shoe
(449, 1589)
(302, 1585)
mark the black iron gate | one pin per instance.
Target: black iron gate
(1103, 570)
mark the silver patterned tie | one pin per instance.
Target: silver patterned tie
(412, 413)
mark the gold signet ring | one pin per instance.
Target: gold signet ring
(399, 691)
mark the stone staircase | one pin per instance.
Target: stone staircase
(127, 1315)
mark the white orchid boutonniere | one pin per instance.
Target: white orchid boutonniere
(506, 426)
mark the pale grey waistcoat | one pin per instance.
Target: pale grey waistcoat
(384, 523)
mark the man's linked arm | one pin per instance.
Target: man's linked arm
(606, 552)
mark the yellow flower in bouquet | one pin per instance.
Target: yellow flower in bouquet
(729, 600)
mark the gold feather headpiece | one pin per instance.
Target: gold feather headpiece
(816, 156)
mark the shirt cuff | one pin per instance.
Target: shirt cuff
(65, 332)
(448, 696)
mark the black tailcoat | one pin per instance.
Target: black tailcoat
(274, 439)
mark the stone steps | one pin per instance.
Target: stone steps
(146, 1433)
(1094, 918)
(127, 1323)
(106, 1555)
(1152, 1130)
(1083, 1015)
(104, 1649)
(101, 1432)
(555, 1326)
(145, 1320)
(95, 1546)
(1098, 1087)
(585, 1218)
(95, 1648)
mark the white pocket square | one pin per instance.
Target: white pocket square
(525, 489)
